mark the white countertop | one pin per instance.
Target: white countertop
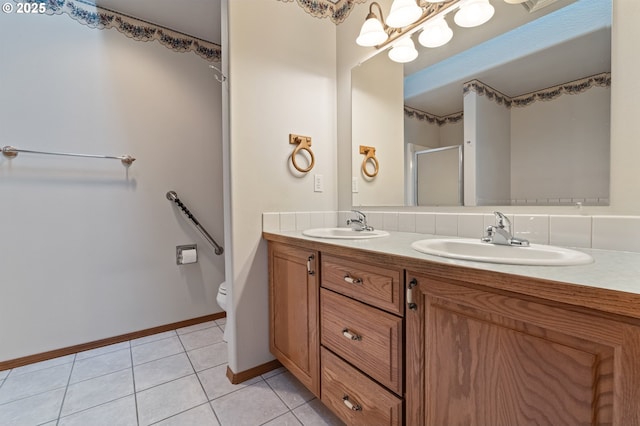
(611, 270)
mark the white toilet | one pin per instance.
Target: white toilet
(221, 298)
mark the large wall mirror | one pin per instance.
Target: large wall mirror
(526, 99)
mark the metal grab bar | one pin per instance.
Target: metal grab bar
(172, 196)
(12, 152)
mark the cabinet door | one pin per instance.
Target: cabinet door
(481, 358)
(293, 312)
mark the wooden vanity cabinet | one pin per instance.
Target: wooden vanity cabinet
(388, 340)
(293, 312)
(479, 356)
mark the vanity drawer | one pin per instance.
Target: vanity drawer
(371, 284)
(367, 337)
(355, 398)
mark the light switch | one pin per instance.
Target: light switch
(318, 183)
(354, 185)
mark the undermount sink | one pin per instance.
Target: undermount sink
(476, 250)
(343, 233)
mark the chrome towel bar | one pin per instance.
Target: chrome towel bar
(12, 152)
(172, 196)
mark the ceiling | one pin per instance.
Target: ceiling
(536, 61)
(197, 18)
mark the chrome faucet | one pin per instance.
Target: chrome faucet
(501, 233)
(360, 222)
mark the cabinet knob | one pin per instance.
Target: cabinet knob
(351, 405)
(349, 335)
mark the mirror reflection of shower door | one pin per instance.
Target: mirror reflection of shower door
(438, 176)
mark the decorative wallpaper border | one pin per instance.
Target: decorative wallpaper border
(551, 93)
(337, 10)
(432, 119)
(93, 16)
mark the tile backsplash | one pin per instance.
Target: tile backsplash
(598, 232)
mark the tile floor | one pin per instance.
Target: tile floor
(172, 378)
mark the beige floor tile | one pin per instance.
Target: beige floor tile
(161, 402)
(253, 405)
(93, 392)
(209, 356)
(161, 371)
(201, 415)
(121, 412)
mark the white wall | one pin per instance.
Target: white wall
(452, 134)
(282, 79)
(625, 89)
(88, 248)
(421, 132)
(560, 147)
(486, 135)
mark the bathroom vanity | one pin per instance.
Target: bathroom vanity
(385, 335)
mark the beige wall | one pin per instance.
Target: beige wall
(282, 79)
(87, 249)
(377, 98)
(625, 88)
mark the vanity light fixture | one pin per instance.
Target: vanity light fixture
(373, 31)
(409, 16)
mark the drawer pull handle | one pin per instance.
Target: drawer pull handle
(346, 333)
(412, 305)
(309, 269)
(350, 405)
(352, 280)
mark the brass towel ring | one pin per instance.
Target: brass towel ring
(370, 155)
(304, 143)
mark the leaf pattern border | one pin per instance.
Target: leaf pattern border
(94, 16)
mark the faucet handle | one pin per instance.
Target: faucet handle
(361, 215)
(502, 221)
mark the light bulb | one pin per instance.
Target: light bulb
(403, 13)
(403, 51)
(435, 34)
(372, 33)
(474, 13)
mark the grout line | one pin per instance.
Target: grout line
(103, 353)
(175, 334)
(64, 396)
(75, 359)
(181, 412)
(93, 407)
(204, 391)
(31, 396)
(133, 377)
